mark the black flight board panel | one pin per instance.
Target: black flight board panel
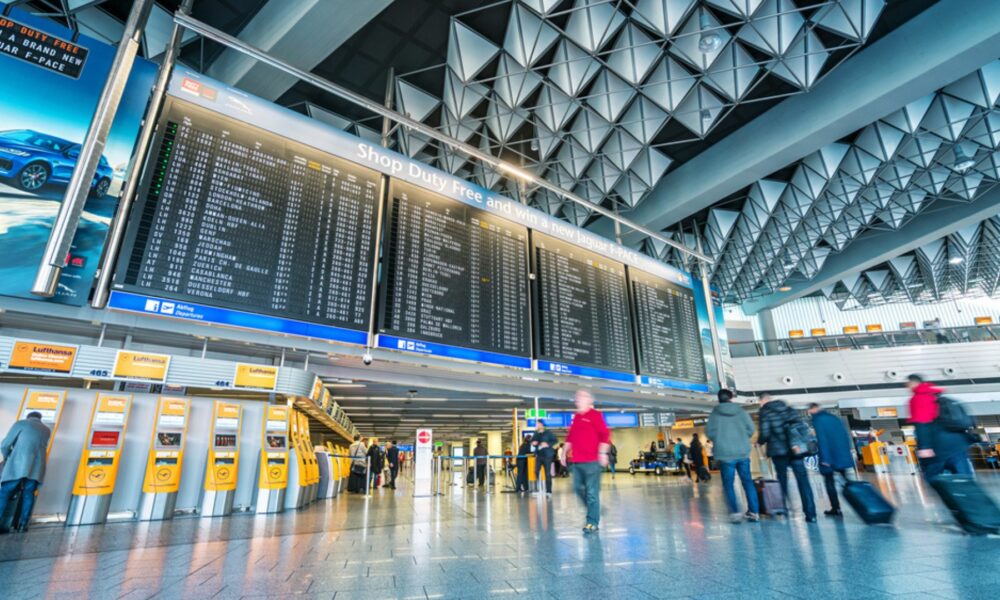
(233, 216)
(667, 334)
(453, 274)
(583, 315)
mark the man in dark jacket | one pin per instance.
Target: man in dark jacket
(523, 451)
(730, 429)
(544, 445)
(376, 463)
(480, 450)
(392, 457)
(775, 417)
(835, 453)
(24, 452)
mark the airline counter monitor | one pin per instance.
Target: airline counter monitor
(166, 457)
(273, 471)
(223, 460)
(98, 470)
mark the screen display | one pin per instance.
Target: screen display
(583, 315)
(168, 440)
(225, 441)
(232, 216)
(275, 442)
(666, 325)
(226, 423)
(104, 439)
(109, 418)
(454, 274)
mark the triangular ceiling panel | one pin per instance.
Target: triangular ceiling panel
(468, 51)
(513, 83)
(643, 119)
(633, 55)
(413, 101)
(662, 16)
(528, 37)
(592, 23)
(572, 68)
(669, 84)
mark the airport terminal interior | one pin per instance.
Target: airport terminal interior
(499, 298)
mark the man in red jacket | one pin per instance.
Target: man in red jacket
(923, 411)
(587, 444)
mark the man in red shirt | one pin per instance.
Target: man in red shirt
(587, 445)
(923, 411)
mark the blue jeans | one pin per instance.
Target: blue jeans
(29, 486)
(729, 469)
(781, 464)
(956, 463)
(587, 483)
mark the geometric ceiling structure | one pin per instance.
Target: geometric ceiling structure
(579, 87)
(942, 148)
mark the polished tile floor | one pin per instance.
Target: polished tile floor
(660, 538)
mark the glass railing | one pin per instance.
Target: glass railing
(865, 341)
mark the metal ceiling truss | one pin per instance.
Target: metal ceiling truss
(944, 147)
(577, 92)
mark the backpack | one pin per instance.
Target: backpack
(952, 416)
(801, 438)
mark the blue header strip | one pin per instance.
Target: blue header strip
(674, 384)
(409, 345)
(151, 305)
(562, 420)
(568, 369)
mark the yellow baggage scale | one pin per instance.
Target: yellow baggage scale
(223, 460)
(273, 466)
(166, 457)
(98, 470)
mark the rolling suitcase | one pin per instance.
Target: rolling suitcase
(470, 477)
(771, 500)
(974, 510)
(870, 505)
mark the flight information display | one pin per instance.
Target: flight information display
(583, 316)
(233, 216)
(453, 275)
(666, 323)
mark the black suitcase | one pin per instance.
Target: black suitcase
(870, 505)
(974, 510)
(470, 477)
(769, 496)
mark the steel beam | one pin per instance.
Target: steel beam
(936, 47)
(876, 247)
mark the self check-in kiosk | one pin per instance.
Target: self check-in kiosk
(223, 460)
(49, 404)
(273, 470)
(299, 469)
(166, 457)
(312, 461)
(326, 477)
(98, 470)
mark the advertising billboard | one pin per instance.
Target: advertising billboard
(53, 79)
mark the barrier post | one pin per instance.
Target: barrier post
(368, 469)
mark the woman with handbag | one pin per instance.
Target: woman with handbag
(359, 454)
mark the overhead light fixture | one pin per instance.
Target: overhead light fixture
(706, 115)
(710, 40)
(963, 162)
(507, 400)
(955, 260)
(785, 288)
(345, 385)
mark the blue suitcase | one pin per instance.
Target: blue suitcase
(870, 505)
(974, 510)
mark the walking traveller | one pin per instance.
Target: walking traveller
(392, 458)
(521, 484)
(696, 451)
(544, 444)
(680, 455)
(612, 459)
(480, 452)
(376, 463)
(358, 453)
(923, 411)
(24, 454)
(587, 445)
(776, 418)
(943, 441)
(730, 429)
(835, 453)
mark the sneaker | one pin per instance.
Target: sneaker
(548, 494)
(752, 517)
(588, 528)
(833, 512)
(810, 519)
(735, 518)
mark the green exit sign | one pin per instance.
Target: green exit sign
(536, 413)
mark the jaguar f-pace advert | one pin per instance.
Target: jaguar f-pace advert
(50, 82)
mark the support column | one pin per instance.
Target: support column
(494, 442)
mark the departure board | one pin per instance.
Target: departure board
(453, 274)
(583, 315)
(233, 216)
(666, 323)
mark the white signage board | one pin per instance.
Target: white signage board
(423, 462)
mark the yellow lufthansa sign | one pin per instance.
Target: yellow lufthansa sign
(887, 412)
(33, 356)
(141, 365)
(257, 377)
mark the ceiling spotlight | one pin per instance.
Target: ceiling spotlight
(963, 162)
(710, 41)
(706, 115)
(785, 288)
(955, 260)
(534, 145)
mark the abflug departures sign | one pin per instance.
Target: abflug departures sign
(440, 316)
(41, 48)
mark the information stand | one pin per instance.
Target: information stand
(223, 460)
(166, 457)
(98, 470)
(273, 466)
(49, 404)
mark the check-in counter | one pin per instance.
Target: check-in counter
(97, 472)
(223, 460)
(49, 404)
(165, 460)
(299, 469)
(273, 470)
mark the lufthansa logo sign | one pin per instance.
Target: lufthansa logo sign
(97, 476)
(222, 473)
(275, 473)
(163, 474)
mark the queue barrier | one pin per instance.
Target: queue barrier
(507, 472)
